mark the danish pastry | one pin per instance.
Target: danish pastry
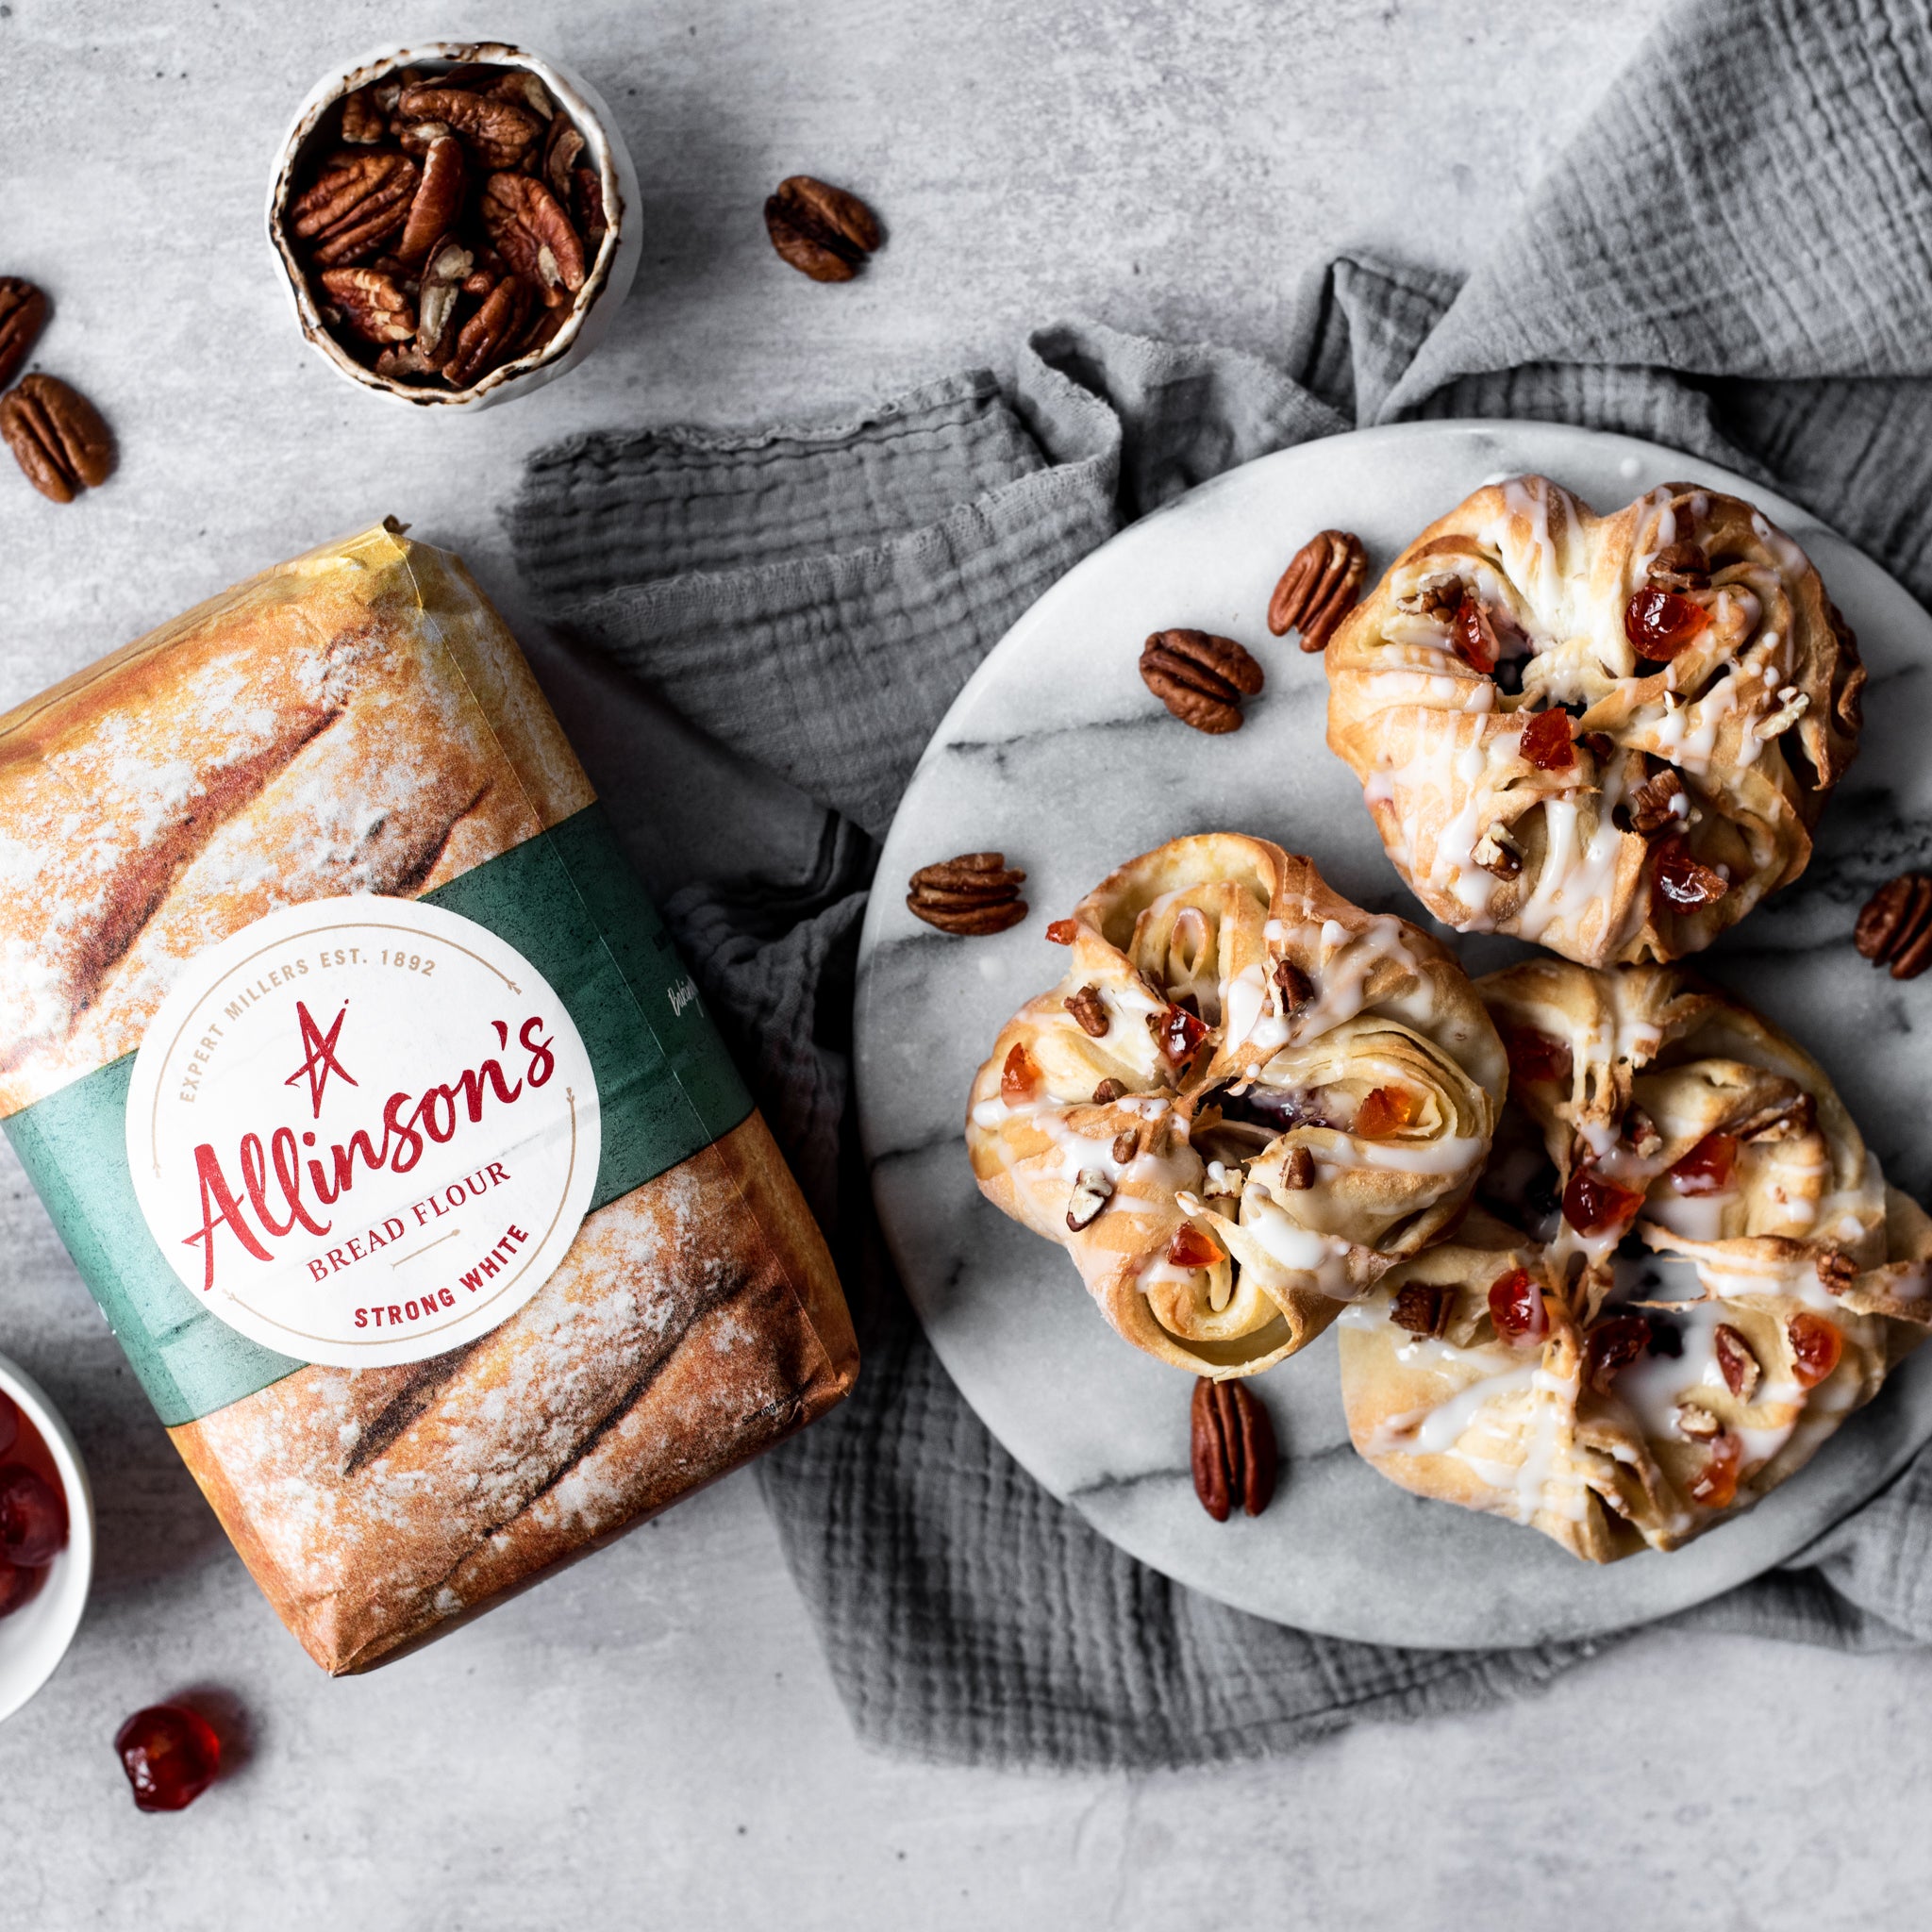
(1611, 735)
(1615, 1397)
(1245, 1101)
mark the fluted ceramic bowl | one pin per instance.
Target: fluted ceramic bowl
(607, 277)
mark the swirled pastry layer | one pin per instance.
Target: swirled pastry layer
(1612, 734)
(1614, 1391)
(1245, 1100)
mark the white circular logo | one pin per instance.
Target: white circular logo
(362, 1130)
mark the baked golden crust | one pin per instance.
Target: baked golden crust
(1692, 784)
(356, 721)
(694, 1322)
(1659, 1392)
(1309, 1090)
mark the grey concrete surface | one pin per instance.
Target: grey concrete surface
(653, 1739)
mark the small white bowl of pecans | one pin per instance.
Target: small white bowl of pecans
(457, 222)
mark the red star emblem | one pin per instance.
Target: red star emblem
(321, 1060)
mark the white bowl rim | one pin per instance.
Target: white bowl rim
(592, 118)
(66, 1596)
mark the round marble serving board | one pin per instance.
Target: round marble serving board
(1057, 755)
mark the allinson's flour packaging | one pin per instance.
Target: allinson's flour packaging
(366, 1091)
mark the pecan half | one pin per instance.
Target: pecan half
(1654, 804)
(365, 120)
(971, 895)
(438, 201)
(1234, 1454)
(1091, 1192)
(56, 437)
(1089, 1009)
(1423, 1306)
(529, 229)
(1496, 852)
(498, 132)
(443, 275)
(370, 303)
(1319, 588)
(23, 312)
(1837, 1271)
(526, 90)
(822, 231)
(1201, 678)
(562, 146)
(489, 336)
(358, 201)
(1293, 989)
(1696, 1422)
(587, 202)
(1680, 567)
(1895, 927)
(1108, 1092)
(1736, 1362)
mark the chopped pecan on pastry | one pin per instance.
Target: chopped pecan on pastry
(1644, 1388)
(1612, 734)
(1288, 1095)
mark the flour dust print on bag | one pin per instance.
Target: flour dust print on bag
(375, 1107)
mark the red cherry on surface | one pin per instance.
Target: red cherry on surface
(10, 1423)
(33, 1518)
(171, 1755)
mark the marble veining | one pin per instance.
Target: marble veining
(1056, 754)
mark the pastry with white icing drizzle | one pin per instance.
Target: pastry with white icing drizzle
(1244, 1102)
(1611, 735)
(1700, 1272)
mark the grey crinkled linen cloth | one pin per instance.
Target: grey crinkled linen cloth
(1734, 257)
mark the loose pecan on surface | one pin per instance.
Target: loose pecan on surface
(1234, 1454)
(971, 895)
(1201, 678)
(1895, 927)
(23, 312)
(1319, 588)
(822, 231)
(56, 437)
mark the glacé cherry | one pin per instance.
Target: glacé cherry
(171, 1755)
(33, 1518)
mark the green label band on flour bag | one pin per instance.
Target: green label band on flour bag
(363, 1131)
